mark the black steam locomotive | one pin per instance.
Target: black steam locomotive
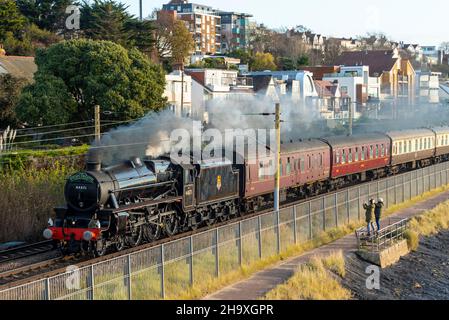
(141, 201)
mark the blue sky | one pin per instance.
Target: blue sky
(424, 22)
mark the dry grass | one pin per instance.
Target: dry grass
(27, 198)
(315, 280)
(428, 224)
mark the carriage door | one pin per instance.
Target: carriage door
(189, 190)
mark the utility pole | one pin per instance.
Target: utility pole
(140, 10)
(277, 178)
(182, 90)
(97, 124)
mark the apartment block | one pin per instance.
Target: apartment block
(204, 23)
(235, 31)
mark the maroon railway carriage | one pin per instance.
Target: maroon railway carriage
(358, 157)
(305, 166)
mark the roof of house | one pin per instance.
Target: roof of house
(378, 61)
(20, 67)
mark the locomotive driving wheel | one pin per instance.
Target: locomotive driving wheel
(135, 236)
(120, 243)
(170, 222)
(100, 248)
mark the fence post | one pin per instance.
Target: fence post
(336, 209)
(240, 244)
(92, 283)
(47, 289)
(310, 221)
(323, 212)
(359, 214)
(191, 260)
(295, 226)
(162, 271)
(217, 253)
(129, 278)
(259, 226)
(278, 230)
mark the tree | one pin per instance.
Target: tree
(10, 88)
(182, 43)
(263, 61)
(11, 20)
(105, 20)
(93, 73)
(46, 14)
(173, 41)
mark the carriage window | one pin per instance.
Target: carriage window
(400, 147)
(321, 160)
(310, 162)
(447, 136)
(410, 146)
(416, 145)
(371, 152)
(405, 146)
(288, 168)
(363, 153)
(430, 142)
(425, 143)
(261, 170)
(296, 165)
(350, 156)
(377, 151)
(356, 154)
(281, 173)
(303, 165)
(420, 144)
(382, 150)
(337, 157)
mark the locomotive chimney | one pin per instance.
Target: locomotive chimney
(93, 161)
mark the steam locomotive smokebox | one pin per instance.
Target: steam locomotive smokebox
(217, 181)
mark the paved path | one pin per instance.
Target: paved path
(262, 282)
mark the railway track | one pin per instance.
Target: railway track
(27, 271)
(25, 251)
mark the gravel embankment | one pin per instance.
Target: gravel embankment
(422, 275)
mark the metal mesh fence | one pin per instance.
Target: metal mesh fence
(166, 270)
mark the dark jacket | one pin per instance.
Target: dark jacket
(378, 210)
(369, 210)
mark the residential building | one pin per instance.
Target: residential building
(180, 102)
(329, 95)
(347, 44)
(320, 71)
(428, 86)
(235, 31)
(204, 23)
(19, 67)
(297, 84)
(351, 85)
(213, 84)
(312, 41)
(432, 55)
(397, 75)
